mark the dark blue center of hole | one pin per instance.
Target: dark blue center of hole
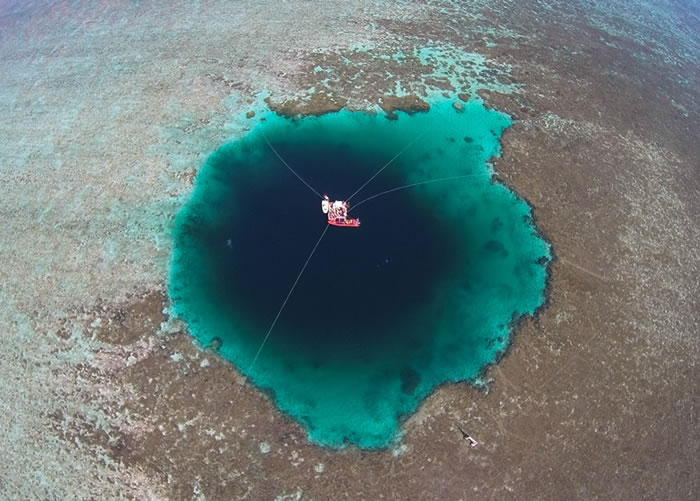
(360, 280)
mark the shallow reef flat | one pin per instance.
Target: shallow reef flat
(109, 112)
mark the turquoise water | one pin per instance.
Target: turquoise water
(426, 291)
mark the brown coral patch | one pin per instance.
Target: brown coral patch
(316, 104)
(410, 104)
(123, 324)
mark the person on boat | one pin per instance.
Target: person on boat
(340, 208)
(335, 209)
(337, 212)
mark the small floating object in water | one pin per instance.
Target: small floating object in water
(338, 213)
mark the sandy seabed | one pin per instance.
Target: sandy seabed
(108, 111)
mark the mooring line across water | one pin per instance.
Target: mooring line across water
(288, 167)
(387, 164)
(416, 184)
(274, 322)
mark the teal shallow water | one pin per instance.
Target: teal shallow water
(424, 292)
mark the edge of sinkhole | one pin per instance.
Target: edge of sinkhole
(513, 326)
